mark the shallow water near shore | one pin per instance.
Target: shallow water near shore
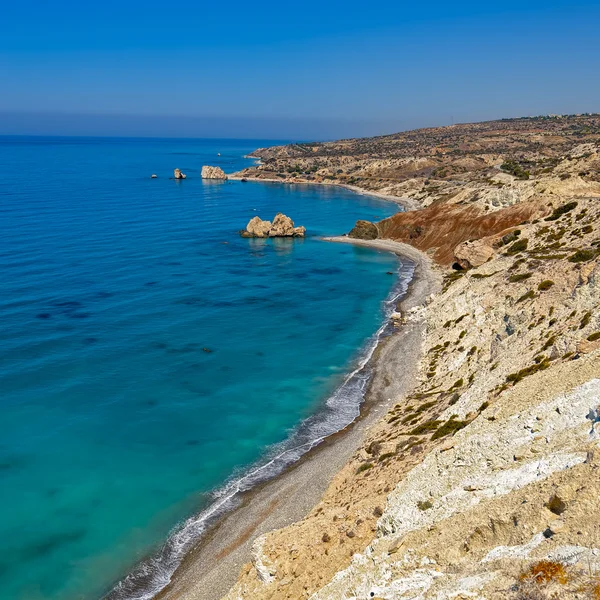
(149, 354)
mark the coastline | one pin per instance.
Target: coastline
(408, 204)
(291, 495)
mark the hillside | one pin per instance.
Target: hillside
(483, 480)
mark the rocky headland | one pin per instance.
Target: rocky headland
(281, 226)
(476, 472)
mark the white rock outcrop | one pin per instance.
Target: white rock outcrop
(473, 253)
(488, 461)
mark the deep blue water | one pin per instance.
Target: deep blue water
(148, 354)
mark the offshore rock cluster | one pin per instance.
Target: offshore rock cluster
(282, 226)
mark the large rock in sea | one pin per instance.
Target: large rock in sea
(213, 173)
(364, 230)
(473, 253)
(178, 174)
(282, 226)
(258, 228)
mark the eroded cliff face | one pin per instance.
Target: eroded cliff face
(491, 464)
(440, 228)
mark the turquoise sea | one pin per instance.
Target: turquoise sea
(153, 362)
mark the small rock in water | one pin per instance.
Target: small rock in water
(207, 350)
(153, 176)
(178, 174)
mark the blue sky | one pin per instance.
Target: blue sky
(291, 70)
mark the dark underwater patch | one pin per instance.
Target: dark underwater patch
(67, 305)
(44, 316)
(192, 347)
(69, 308)
(50, 544)
(10, 463)
(326, 271)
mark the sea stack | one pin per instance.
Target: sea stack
(282, 226)
(178, 174)
(213, 173)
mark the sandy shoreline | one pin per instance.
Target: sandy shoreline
(406, 203)
(213, 566)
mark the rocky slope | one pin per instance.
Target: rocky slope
(495, 164)
(483, 481)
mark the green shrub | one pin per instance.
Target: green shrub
(550, 256)
(514, 168)
(530, 294)
(594, 336)
(386, 455)
(364, 467)
(450, 427)
(517, 247)
(425, 406)
(585, 320)
(561, 210)
(583, 256)
(519, 277)
(545, 285)
(519, 375)
(424, 505)
(425, 427)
